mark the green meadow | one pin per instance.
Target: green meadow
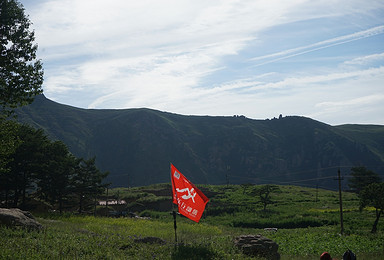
(308, 223)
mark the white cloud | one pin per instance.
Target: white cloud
(146, 54)
(366, 59)
(161, 54)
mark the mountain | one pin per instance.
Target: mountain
(137, 145)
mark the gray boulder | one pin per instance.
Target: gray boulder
(18, 218)
(257, 245)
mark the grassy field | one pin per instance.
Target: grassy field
(308, 222)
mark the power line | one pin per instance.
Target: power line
(301, 172)
(313, 179)
(293, 181)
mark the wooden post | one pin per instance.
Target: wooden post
(341, 202)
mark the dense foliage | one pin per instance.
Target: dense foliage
(362, 177)
(41, 169)
(21, 77)
(8, 142)
(21, 74)
(373, 195)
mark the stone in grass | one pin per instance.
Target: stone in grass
(257, 245)
(18, 218)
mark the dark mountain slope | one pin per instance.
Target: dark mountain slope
(370, 135)
(137, 145)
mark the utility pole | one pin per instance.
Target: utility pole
(226, 175)
(341, 202)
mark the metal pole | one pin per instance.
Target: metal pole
(174, 225)
(173, 205)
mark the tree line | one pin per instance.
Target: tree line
(41, 169)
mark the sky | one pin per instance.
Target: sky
(321, 59)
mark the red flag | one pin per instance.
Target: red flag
(189, 199)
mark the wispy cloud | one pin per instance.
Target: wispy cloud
(366, 100)
(366, 59)
(318, 45)
(146, 48)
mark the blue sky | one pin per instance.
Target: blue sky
(322, 59)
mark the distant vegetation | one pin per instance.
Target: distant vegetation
(137, 145)
(239, 206)
(307, 220)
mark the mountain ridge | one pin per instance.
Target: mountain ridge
(137, 145)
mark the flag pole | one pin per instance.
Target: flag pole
(173, 205)
(174, 225)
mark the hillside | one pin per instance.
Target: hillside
(137, 145)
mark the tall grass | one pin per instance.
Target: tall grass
(79, 237)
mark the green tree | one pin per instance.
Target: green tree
(26, 162)
(264, 194)
(373, 195)
(87, 182)
(21, 74)
(9, 142)
(53, 179)
(362, 177)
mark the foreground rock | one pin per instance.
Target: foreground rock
(18, 218)
(257, 245)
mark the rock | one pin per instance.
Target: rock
(150, 240)
(18, 218)
(270, 229)
(257, 245)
